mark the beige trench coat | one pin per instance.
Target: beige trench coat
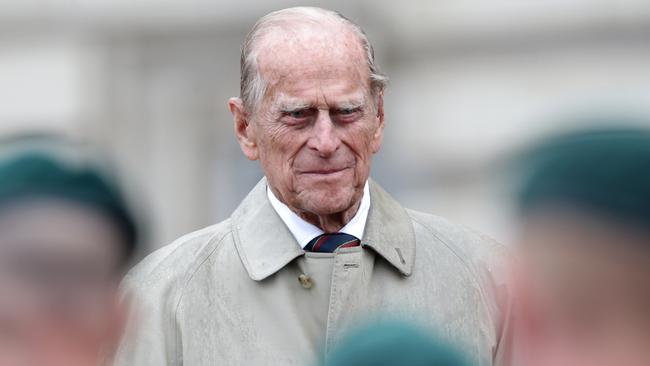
(230, 294)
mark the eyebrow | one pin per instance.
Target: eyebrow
(290, 106)
(355, 104)
(294, 106)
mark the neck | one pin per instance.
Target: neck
(331, 223)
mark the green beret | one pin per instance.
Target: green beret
(606, 171)
(394, 343)
(33, 167)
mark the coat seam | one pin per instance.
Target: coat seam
(190, 276)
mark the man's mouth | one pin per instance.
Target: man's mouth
(326, 171)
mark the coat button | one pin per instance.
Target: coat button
(305, 281)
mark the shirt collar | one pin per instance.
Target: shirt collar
(304, 231)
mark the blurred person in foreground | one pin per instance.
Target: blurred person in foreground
(66, 237)
(586, 250)
(391, 343)
(316, 246)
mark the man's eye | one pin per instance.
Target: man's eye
(348, 114)
(297, 117)
(298, 114)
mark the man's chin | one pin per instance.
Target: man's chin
(323, 202)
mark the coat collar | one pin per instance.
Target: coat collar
(265, 245)
(389, 230)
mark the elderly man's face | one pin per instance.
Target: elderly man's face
(318, 125)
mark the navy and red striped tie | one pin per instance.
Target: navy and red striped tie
(328, 243)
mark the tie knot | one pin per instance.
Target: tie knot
(328, 243)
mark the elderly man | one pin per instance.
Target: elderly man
(316, 246)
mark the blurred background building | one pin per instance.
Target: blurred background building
(471, 83)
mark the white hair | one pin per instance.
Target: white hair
(253, 86)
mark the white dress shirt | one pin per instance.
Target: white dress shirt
(304, 232)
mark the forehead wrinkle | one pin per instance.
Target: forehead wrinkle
(317, 93)
(314, 79)
(323, 94)
(311, 64)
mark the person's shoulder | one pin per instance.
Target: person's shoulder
(171, 263)
(463, 240)
(486, 262)
(485, 258)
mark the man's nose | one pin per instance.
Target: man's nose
(324, 139)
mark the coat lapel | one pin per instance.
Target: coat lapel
(265, 245)
(389, 230)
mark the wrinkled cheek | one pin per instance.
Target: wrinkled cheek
(279, 170)
(268, 155)
(291, 179)
(362, 169)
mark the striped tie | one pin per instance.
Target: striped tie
(328, 243)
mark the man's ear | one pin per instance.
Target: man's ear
(379, 132)
(243, 130)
